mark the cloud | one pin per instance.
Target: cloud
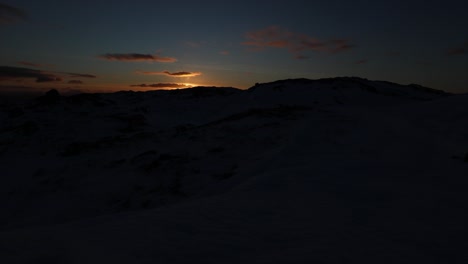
(75, 82)
(48, 78)
(171, 74)
(10, 14)
(339, 45)
(80, 75)
(301, 57)
(132, 57)
(161, 85)
(463, 49)
(70, 74)
(361, 61)
(8, 73)
(224, 52)
(195, 44)
(295, 43)
(32, 64)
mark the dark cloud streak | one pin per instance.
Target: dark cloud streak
(75, 82)
(170, 74)
(463, 49)
(8, 73)
(10, 14)
(30, 64)
(129, 57)
(80, 75)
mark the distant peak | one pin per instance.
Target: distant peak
(50, 97)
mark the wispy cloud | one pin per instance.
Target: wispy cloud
(338, 45)
(301, 57)
(135, 57)
(195, 44)
(462, 49)
(171, 74)
(80, 75)
(9, 73)
(224, 52)
(295, 43)
(33, 64)
(10, 14)
(75, 82)
(161, 85)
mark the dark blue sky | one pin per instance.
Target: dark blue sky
(96, 45)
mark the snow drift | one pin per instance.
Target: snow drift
(340, 170)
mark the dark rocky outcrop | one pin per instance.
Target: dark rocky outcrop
(50, 98)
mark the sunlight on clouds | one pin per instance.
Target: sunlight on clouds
(170, 74)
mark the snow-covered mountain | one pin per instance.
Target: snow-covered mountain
(340, 170)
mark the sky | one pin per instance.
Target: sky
(95, 46)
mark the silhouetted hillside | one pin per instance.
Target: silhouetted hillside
(292, 171)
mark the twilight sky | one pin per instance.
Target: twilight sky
(143, 45)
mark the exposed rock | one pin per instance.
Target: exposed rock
(50, 98)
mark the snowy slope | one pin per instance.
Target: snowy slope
(341, 170)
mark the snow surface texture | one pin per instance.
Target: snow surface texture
(341, 170)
